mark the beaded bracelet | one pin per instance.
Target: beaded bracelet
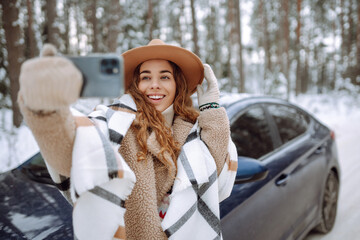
(208, 106)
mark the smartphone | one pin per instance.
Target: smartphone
(103, 74)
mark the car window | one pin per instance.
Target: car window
(35, 169)
(290, 122)
(251, 134)
(37, 161)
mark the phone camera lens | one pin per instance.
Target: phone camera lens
(110, 66)
(113, 62)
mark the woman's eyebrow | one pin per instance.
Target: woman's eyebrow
(162, 71)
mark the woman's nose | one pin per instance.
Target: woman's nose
(155, 84)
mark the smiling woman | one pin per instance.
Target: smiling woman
(126, 159)
(157, 83)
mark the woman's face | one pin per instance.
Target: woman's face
(157, 83)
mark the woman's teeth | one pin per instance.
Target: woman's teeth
(156, 96)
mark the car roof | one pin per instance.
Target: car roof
(228, 99)
(234, 102)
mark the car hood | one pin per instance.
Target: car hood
(31, 210)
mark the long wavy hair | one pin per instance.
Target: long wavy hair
(149, 119)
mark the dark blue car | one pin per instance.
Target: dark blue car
(297, 156)
(287, 181)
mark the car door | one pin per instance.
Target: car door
(304, 168)
(260, 210)
(255, 205)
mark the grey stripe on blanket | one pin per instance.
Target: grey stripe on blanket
(101, 192)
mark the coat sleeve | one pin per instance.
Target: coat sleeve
(54, 133)
(215, 132)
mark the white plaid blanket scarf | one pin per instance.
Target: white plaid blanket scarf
(101, 180)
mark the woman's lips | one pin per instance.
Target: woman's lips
(156, 97)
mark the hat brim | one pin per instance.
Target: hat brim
(189, 63)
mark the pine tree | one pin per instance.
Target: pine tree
(15, 51)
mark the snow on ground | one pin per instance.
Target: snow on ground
(16, 145)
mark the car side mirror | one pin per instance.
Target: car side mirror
(250, 170)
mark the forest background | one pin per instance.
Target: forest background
(306, 51)
(295, 46)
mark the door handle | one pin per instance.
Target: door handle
(319, 150)
(282, 180)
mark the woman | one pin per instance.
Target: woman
(149, 166)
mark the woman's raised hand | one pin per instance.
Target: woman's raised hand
(49, 82)
(212, 93)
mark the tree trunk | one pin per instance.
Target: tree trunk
(343, 36)
(177, 34)
(304, 76)
(241, 85)
(150, 19)
(213, 42)
(230, 11)
(322, 75)
(194, 29)
(79, 32)
(306, 73)
(268, 64)
(350, 32)
(358, 35)
(114, 25)
(30, 31)
(334, 60)
(14, 46)
(298, 48)
(92, 19)
(52, 32)
(262, 41)
(286, 47)
(66, 36)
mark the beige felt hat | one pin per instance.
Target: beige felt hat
(189, 63)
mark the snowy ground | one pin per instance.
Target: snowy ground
(341, 112)
(16, 145)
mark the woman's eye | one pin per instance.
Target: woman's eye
(165, 77)
(145, 78)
